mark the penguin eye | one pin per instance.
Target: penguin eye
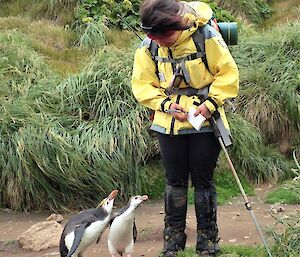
(135, 197)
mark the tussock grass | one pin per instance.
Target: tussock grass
(77, 140)
(20, 66)
(270, 97)
(252, 10)
(55, 43)
(62, 11)
(67, 142)
(256, 160)
(91, 35)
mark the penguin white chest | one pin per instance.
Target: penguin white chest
(120, 238)
(93, 231)
(90, 235)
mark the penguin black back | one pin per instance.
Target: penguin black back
(82, 229)
(84, 218)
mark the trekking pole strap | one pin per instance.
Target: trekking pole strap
(219, 129)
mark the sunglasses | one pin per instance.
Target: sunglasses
(157, 36)
(161, 36)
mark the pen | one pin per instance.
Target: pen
(175, 111)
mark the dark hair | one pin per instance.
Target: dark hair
(159, 16)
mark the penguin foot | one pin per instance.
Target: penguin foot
(128, 255)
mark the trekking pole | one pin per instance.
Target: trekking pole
(247, 203)
(127, 24)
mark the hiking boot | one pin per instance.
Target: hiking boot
(207, 243)
(207, 230)
(175, 210)
(169, 254)
(174, 241)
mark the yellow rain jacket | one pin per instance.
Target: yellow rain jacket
(148, 85)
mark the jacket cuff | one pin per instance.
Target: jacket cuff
(210, 106)
(165, 104)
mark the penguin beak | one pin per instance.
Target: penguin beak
(145, 197)
(112, 195)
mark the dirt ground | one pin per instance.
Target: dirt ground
(235, 227)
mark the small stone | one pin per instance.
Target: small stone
(232, 240)
(150, 249)
(57, 217)
(273, 211)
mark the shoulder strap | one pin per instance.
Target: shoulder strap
(199, 40)
(153, 48)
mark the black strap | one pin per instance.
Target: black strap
(162, 105)
(153, 48)
(213, 102)
(179, 60)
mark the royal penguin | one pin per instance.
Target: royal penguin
(122, 232)
(86, 227)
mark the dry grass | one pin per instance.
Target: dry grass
(285, 11)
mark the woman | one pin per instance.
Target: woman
(172, 75)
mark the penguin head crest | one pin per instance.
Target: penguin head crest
(108, 202)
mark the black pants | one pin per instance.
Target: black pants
(192, 155)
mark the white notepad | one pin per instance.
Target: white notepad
(196, 122)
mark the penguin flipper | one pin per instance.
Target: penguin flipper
(134, 232)
(78, 233)
(99, 237)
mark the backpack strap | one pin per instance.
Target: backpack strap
(199, 41)
(153, 49)
(199, 36)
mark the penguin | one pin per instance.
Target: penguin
(86, 227)
(122, 232)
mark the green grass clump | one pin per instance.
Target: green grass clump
(230, 251)
(288, 193)
(227, 186)
(155, 186)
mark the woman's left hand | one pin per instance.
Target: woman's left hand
(203, 110)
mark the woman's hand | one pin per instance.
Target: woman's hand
(203, 110)
(178, 112)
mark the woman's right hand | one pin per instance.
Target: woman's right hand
(178, 112)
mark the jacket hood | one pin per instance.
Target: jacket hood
(195, 13)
